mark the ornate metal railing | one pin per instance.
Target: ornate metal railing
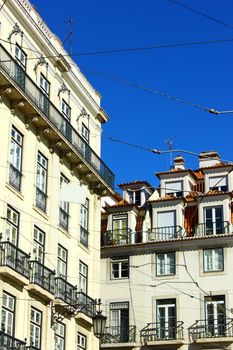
(213, 328)
(119, 237)
(84, 236)
(114, 334)
(86, 304)
(15, 258)
(162, 331)
(63, 219)
(164, 233)
(37, 98)
(212, 228)
(65, 291)
(15, 177)
(42, 276)
(7, 342)
(41, 199)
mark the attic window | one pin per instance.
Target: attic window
(175, 188)
(218, 183)
(135, 197)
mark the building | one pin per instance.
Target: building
(166, 260)
(51, 123)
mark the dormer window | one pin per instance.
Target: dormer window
(218, 183)
(135, 197)
(174, 188)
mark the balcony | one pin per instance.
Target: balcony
(41, 199)
(86, 304)
(15, 177)
(164, 233)
(35, 105)
(212, 228)
(83, 236)
(14, 258)
(119, 334)
(214, 330)
(63, 219)
(119, 237)
(42, 279)
(163, 333)
(9, 342)
(65, 291)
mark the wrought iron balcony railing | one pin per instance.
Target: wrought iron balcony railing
(12, 70)
(212, 228)
(11, 343)
(86, 304)
(119, 334)
(211, 328)
(164, 233)
(162, 331)
(119, 237)
(84, 236)
(15, 177)
(41, 199)
(15, 258)
(65, 291)
(63, 219)
(42, 276)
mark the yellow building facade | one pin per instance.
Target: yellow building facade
(51, 123)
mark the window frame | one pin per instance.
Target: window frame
(43, 80)
(66, 110)
(172, 191)
(37, 244)
(63, 262)
(13, 225)
(61, 337)
(15, 146)
(213, 258)
(8, 311)
(20, 60)
(165, 265)
(81, 336)
(35, 325)
(85, 133)
(83, 278)
(120, 261)
(217, 186)
(64, 206)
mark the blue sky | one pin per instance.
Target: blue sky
(202, 74)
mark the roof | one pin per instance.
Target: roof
(136, 182)
(218, 165)
(122, 203)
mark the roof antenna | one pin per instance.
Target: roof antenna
(70, 35)
(170, 144)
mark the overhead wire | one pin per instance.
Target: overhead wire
(4, 2)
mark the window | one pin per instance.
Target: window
(64, 208)
(8, 314)
(120, 228)
(44, 95)
(119, 267)
(41, 182)
(15, 158)
(85, 133)
(165, 264)
(119, 318)
(60, 336)
(83, 277)
(166, 225)
(66, 110)
(62, 261)
(213, 260)
(35, 328)
(135, 197)
(214, 223)
(84, 216)
(82, 341)
(215, 316)
(38, 245)
(175, 188)
(166, 319)
(12, 225)
(218, 183)
(20, 56)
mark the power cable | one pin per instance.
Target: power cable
(201, 13)
(4, 2)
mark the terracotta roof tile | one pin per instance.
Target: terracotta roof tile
(136, 182)
(218, 165)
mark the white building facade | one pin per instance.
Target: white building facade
(51, 123)
(166, 260)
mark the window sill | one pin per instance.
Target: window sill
(14, 190)
(41, 212)
(65, 232)
(84, 247)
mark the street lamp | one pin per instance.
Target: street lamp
(99, 322)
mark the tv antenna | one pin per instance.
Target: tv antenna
(70, 36)
(170, 146)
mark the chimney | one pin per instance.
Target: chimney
(179, 162)
(208, 158)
